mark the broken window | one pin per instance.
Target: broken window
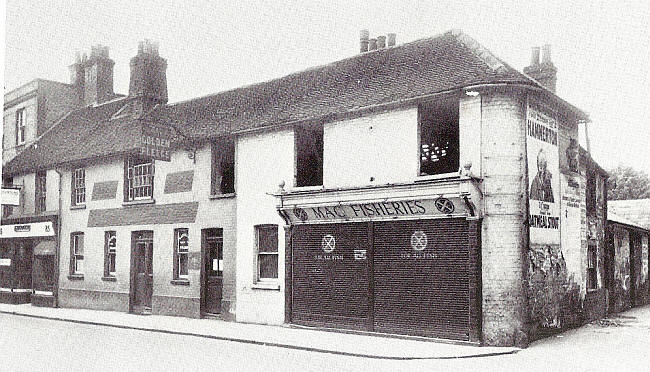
(438, 126)
(309, 155)
(223, 167)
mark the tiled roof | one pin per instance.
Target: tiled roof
(637, 211)
(450, 61)
(83, 134)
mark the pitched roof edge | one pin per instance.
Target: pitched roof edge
(481, 52)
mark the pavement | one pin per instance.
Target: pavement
(339, 343)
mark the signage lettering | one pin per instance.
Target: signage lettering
(27, 230)
(22, 228)
(156, 142)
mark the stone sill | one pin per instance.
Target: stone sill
(76, 277)
(222, 196)
(269, 286)
(138, 202)
(180, 282)
(80, 206)
(109, 278)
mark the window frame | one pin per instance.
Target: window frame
(110, 254)
(40, 192)
(21, 127)
(75, 256)
(178, 254)
(130, 163)
(78, 193)
(258, 253)
(592, 267)
(222, 166)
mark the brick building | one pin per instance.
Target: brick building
(426, 189)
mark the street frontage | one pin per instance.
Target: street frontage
(620, 342)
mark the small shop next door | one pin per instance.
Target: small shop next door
(141, 271)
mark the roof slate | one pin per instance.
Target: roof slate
(636, 211)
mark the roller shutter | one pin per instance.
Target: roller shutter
(421, 278)
(330, 283)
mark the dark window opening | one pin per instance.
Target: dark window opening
(439, 144)
(590, 192)
(7, 210)
(20, 127)
(592, 279)
(40, 191)
(309, 155)
(267, 251)
(139, 173)
(223, 167)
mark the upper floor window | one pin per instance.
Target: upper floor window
(139, 174)
(309, 155)
(20, 126)
(439, 133)
(40, 191)
(79, 186)
(223, 167)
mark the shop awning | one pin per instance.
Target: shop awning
(45, 248)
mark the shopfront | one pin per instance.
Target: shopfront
(28, 260)
(405, 264)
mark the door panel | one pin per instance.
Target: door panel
(143, 274)
(213, 267)
(331, 275)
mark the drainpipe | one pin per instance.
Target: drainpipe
(57, 252)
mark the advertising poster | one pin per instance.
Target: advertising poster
(543, 176)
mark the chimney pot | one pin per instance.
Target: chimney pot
(391, 39)
(381, 42)
(363, 40)
(546, 54)
(372, 44)
(534, 56)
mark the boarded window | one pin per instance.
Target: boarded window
(309, 155)
(267, 251)
(439, 144)
(223, 167)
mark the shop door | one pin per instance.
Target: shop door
(330, 286)
(421, 278)
(143, 271)
(213, 269)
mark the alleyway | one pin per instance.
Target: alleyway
(621, 343)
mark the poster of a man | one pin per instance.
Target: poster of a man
(541, 188)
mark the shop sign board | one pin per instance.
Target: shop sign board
(543, 176)
(156, 142)
(380, 210)
(5, 261)
(27, 230)
(10, 196)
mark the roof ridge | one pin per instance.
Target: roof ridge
(484, 54)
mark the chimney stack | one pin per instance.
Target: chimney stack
(373, 44)
(363, 40)
(381, 42)
(93, 76)
(545, 72)
(391, 39)
(148, 77)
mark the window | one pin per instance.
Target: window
(181, 253)
(76, 253)
(309, 155)
(267, 251)
(592, 279)
(223, 167)
(7, 210)
(439, 146)
(40, 191)
(110, 253)
(79, 186)
(20, 126)
(139, 178)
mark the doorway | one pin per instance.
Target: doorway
(212, 278)
(141, 271)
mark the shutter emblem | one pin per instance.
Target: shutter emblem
(445, 205)
(419, 240)
(328, 243)
(300, 214)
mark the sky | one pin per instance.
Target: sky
(601, 48)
